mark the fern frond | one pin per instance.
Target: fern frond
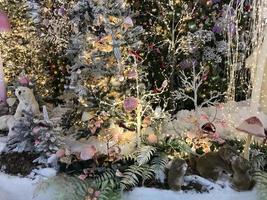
(109, 193)
(134, 174)
(147, 173)
(158, 165)
(258, 161)
(74, 188)
(106, 178)
(130, 157)
(130, 177)
(144, 154)
(261, 184)
(176, 144)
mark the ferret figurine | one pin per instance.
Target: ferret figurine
(176, 174)
(212, 165)
(242, 179)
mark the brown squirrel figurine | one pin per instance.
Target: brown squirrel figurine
(212, 165)
(176, 174)
(242, 179)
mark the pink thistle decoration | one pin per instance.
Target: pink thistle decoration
(24, 81)
(88, 152)
(130, 104)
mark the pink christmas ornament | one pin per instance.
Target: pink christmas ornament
(152, 138)
(60, 153)
(88, 152)
(130, 104)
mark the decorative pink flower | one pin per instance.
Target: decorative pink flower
(36, 129)
(82, 177)
(132, 74)
(128, 22)
(98, 123)
(130, 104)
(36, 142)
(88, 152)
(97, 194)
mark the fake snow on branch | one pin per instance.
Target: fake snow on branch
(191, 85)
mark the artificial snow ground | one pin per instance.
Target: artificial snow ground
(15, 188)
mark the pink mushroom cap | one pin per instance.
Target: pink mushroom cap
(252, 126)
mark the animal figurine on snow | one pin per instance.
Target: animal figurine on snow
(213, 165)
(176, 174)
(226, 161)
(242, 178)
(27, 103)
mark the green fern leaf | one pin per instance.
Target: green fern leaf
(106, 177)
(261, 185)
(109, 193)
(158, 165)
(144, 154)
(258, 161)
(147, 173)
(134, 174)
(74, 188)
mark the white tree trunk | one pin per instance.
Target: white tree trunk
(2, 82)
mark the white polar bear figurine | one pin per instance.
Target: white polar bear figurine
(27, 102)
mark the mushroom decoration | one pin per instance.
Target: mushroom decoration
(253, 127)
(208, 128)
(4, 27)
(88, 152)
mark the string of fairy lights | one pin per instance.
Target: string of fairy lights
(19, 47)
(22, 50)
